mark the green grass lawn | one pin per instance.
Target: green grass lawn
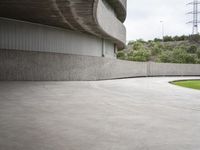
(194, 84)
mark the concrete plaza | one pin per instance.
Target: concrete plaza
(128, 114)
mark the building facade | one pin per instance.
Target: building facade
(77, 27)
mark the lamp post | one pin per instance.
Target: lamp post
(162, 23)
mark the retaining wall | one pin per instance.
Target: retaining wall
(25, 65)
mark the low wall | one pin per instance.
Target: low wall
(24, 65)
(169, 69)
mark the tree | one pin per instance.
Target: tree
(194, 38)
(167, 39)
(130, 42)
(157, 40)
(180, 38)
(141, 41)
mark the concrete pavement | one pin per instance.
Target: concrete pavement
(129, 114)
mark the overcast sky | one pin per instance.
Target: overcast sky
(144, 16)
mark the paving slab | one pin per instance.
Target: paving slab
(127, 114)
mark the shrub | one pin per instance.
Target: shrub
(137, 45)
(197, 61)
(141, 55)
(166, 57)
(192, 49)
(181, 56)
(121, 55)
(191, 58)
(169, 52)
(198, 53)
(156, 49)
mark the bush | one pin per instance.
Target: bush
(169, 52)
(198, 53)
(141, 55)
(181, 56)
(191, 59)
(192, 49)
(156, 49)
(197, 61)
(165, 57)
(137, 45)
(121, 55)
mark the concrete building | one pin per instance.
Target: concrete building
(80, 27)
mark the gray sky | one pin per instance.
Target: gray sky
(144, 16)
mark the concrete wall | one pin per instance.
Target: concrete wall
(20, 35)
(24, 65)
(120, 8)
(167, 69)
(110, 24)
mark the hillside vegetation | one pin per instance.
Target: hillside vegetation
(178, 49)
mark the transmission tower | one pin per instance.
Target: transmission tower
(195, 13)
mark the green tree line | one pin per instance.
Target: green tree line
(177, 49)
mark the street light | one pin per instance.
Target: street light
(162, 22)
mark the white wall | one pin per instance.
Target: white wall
(19, 35)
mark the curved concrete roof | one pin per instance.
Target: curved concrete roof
(120, 8)
(80, 15)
